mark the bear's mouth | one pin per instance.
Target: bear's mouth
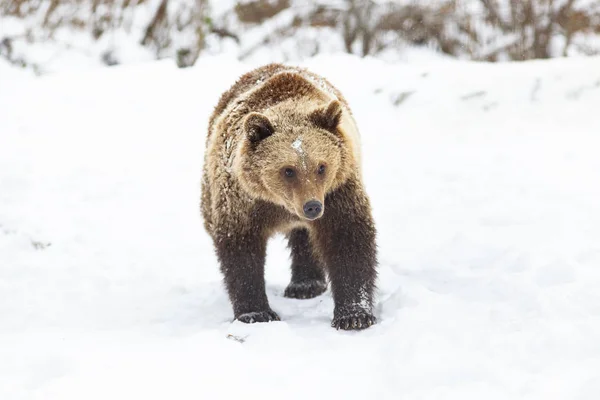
(306, 219)
(311, 219)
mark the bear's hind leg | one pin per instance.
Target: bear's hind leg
(243, 265)
(308, 277)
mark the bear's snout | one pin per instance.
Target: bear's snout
(313, 209)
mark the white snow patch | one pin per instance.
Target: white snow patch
(297, 145)
(364, 299)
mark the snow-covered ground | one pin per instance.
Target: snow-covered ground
(485, 183)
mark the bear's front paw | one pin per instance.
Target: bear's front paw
(305, 289)
(356, 321)
(258, 316)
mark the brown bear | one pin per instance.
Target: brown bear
(282, 155)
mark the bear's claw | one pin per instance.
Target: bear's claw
(305, 289)
(258, 316)
(361, 320)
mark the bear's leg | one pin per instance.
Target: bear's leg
(346, 239)
(308, 277)
(242, 261)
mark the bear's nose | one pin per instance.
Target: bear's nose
(312, 209)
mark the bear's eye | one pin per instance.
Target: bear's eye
(290, 173)
(321, 169)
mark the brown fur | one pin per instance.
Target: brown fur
(277, 118)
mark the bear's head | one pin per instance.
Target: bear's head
(294, 157)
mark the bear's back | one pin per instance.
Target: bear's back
(245, 83)
(293, 82)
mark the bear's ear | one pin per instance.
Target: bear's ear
(328, 117)
(258, 127)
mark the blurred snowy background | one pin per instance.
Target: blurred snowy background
(51, 35)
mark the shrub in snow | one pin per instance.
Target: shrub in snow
(40, 32)
(491, 30)
(112, 31)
